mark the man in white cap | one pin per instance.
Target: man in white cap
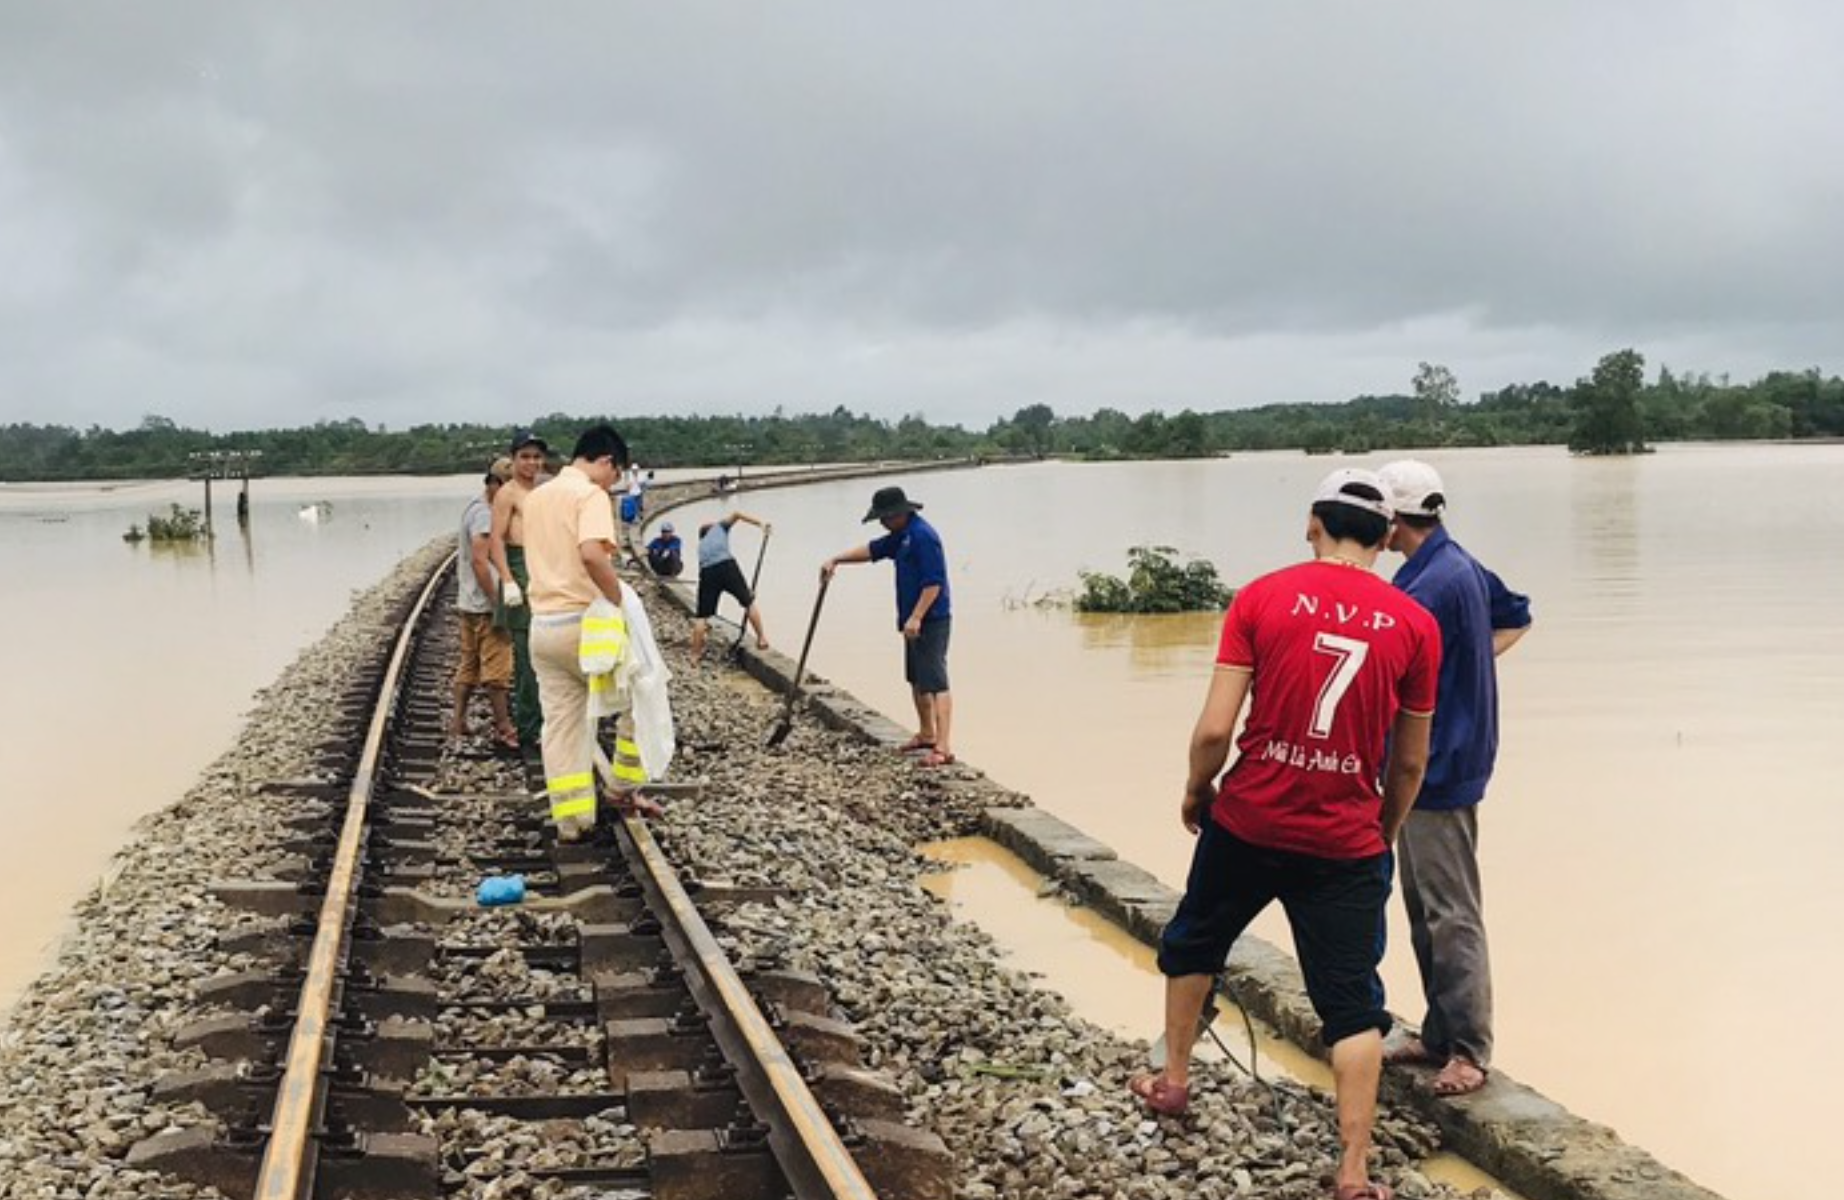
(1336, 660)
(1480, 618)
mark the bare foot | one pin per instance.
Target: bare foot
(761, 643)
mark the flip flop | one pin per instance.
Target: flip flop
(1460, 1077)
(914, 744)
(1363, 1191)
(1166, 1099)
(935, 758)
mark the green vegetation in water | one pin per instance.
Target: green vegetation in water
(178, 525)
(1156, 583)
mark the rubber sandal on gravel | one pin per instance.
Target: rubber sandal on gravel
(915, 745)
(1166, 1099)
(935, 758)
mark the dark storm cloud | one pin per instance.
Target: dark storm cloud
(237, 215)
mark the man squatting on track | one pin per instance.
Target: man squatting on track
(1335, 660)
(570, 548)
(923, 614)
(1480, 618)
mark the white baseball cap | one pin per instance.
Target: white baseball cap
(1334, 489)
(1414, 488)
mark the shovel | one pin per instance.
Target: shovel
(786, 726)
(755, 577)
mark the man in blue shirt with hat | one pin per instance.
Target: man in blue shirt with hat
(1438, 849)
(922, 613)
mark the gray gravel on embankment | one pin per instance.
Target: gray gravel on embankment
(1030, 1098)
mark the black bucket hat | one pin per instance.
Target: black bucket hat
(890, 502)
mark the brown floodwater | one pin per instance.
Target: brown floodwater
(131, 666)
(1657, 843)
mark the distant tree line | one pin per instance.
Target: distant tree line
(1611, 411)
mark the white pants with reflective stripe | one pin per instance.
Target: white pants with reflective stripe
(563, 693)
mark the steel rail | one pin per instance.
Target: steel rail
(290, 1159)
(811, 1155)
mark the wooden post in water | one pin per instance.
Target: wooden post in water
(208, 501)
(243, 497)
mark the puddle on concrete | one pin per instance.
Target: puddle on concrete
(1108, 976)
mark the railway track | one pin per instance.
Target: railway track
(396, 1041)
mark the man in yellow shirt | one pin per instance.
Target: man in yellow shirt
(569, 528)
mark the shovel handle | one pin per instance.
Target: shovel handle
(813, 623)
(755, 577)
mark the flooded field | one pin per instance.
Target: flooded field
(1655, 845)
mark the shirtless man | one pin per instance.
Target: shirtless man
(529, 453)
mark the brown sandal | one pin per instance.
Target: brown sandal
(1460, 1077)
(1166, 1099)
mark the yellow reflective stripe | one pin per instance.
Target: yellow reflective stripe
(589, 646)
(624, 746)
(570, 783)
(563, 809)
(629, 774)
(601, 683)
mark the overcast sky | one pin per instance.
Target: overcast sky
(246, 215)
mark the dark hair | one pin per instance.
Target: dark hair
(601, 441)
(1344, 523)
(1418, 521)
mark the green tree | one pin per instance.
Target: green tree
(1607, 414)
(1436, 391)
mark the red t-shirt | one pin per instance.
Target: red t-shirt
(1335, 651)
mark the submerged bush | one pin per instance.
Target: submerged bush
(1156, 583)
(179, 525)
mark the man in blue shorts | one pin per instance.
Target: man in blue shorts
(922, 614)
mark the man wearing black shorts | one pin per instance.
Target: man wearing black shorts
(922, 614)
(1335, 659)
(719, 575)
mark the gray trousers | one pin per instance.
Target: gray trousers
(1438, 853)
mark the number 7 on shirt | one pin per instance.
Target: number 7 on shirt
(1350, 654)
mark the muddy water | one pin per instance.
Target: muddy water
(129, 666)
(1658, 842)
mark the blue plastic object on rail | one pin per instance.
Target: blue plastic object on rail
(496, 890)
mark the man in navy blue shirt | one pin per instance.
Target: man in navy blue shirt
(1480, 618)
(922, 613)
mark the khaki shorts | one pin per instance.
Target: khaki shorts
(486, 653)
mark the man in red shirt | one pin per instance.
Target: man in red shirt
(1337, 661)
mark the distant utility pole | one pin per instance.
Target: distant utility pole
(225, 464)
